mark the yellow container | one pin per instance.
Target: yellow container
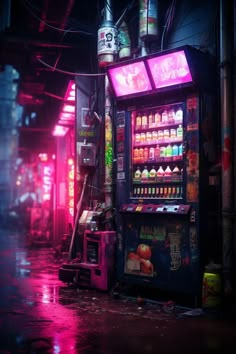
(211, 289)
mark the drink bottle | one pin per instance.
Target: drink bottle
(179, 132)
(164, 117)
(137, 175)
(152, 154)
(160, 134)
(179, 115)
(166, 134)
(154, 136)
(152, 174)
(175, 150)
(168, 171)
(150, 120)
(173, 133)
(157, 119)
(168, 151)
(144, 121)
(171, 116)
(160, 172)
(138, 122)
(145, 175)
(145, 154)
(157, 152)
(180, 149)
(136, 155)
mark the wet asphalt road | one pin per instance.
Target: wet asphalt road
(40, 314)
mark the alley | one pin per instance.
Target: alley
(40, 314)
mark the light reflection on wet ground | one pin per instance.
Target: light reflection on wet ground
(40, 314)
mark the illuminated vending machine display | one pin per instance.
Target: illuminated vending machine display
(157, 153)
(164, 110)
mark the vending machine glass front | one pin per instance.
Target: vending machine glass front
(157, 152)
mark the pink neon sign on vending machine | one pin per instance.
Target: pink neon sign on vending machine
(170, 69)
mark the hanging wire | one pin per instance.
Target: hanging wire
(27, 3)
(68, 72)
(169, 21)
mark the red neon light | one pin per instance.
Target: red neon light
(130, 79)
(71, 174)
(170, 69)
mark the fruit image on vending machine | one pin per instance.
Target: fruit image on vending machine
(161, 193)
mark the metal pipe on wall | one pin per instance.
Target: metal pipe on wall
(226, 92)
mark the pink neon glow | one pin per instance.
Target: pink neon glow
(130, 79)
(68, 108)
(47, 182)
(59, 130)
(71, 174)
(67, 117)
(170, 69)
(70, 92)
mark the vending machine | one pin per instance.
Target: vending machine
(166, 144)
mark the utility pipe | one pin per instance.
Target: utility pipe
(226, 11)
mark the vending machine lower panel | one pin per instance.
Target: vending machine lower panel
(160, 250)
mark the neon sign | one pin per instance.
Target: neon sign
(170, 69)
(47, 182)
(130, 79)
(71, 174)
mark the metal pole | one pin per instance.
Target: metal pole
(108, 146)
(226, 11)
